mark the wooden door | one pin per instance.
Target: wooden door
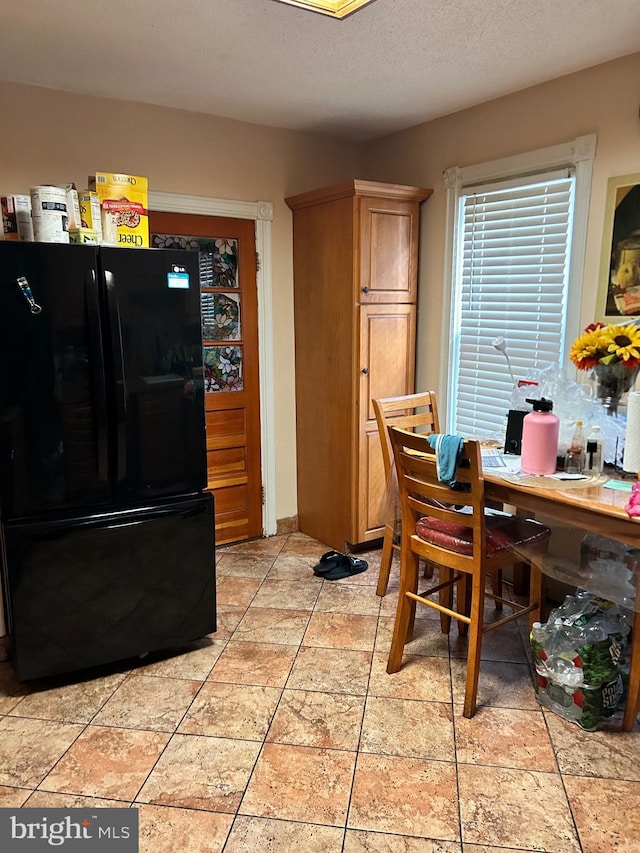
(230, 332)
(387, 368)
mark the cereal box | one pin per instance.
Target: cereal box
(126, 196)
(16, 217)
(90, 212)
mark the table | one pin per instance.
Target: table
(590, 508)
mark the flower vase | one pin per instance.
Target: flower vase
(612, 382)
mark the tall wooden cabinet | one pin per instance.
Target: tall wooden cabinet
(355, 257)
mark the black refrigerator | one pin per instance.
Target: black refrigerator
(107, 534)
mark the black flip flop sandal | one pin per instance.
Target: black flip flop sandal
(348, 567)
(328, 562)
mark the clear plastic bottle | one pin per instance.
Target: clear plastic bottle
(574, 460)
(594, 457)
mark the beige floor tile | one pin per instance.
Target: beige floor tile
(515, 808)
(270, 546)
(11, 690)
(264, 834)
(148, 702)
(341, 631)
(606, 812)
(294, 567)
(51, 800)
(30, 748)
(11, 798)
(408, 728)
(311, 718)
(427, 640)
(106, 762)
(483, 848)
(228, 618)
(610, 754)
(236, 592)
(69, 703)
(405, 796)
(300, 543)
(233, 565)
(331, 670)
(195, 662)
(501, 684)
(361, 841)
(505, 737)
(419, 678)
(196, 772)
(348, 598)
(267, 664)
(300, 783)
(165, 829)
(272, 625)
(290, 594)
(231, 710)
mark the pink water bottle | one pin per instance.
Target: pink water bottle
(540, 439)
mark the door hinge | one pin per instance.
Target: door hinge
(257, 261)
(264, 496)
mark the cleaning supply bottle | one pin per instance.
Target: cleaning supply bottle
(594, 456)
(574, 460)
(540, 430)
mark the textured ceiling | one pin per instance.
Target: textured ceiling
(391, 65)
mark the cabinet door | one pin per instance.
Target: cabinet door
(388, 250)
(387, 368)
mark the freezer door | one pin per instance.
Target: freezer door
(53, 421)
(153, 308)
(106, 588)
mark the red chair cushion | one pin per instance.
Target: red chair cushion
(503, 532)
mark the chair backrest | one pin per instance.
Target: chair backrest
(422, 494)
(414, 412)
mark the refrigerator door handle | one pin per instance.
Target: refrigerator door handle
(97, 372)
(115, 325)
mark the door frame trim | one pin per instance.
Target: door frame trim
(262, 213)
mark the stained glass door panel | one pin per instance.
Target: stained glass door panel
(227, 263)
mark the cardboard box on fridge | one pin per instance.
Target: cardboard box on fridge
(16, 218)
(127, 197)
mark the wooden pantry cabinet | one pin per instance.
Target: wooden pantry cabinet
(355, 259)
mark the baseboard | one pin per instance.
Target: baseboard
(287, 525)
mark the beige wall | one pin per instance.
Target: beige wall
(602, 100)
(55, 137)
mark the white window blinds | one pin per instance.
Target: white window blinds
(511, 280)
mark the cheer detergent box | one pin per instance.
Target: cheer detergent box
(125, 196)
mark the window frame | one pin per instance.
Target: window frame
(577, 154)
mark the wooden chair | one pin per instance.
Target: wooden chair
(411, 412)
(466, 545)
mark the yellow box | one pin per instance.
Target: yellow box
(127, 197)
(83, 235)
(90, 212)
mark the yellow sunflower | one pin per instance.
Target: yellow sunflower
(622, 342)
(589, 347)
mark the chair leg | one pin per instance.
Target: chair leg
(385, 561)
(475, 645)
(464, 602)
(535, 593)
(405, 612)
(496, 586)
(428, 569)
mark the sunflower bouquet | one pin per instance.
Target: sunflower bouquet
(607, 345)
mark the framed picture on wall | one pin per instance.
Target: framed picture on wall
(619, 282)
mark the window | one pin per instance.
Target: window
(517, 246)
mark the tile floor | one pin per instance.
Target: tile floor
(283, 732)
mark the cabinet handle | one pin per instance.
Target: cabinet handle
(365, 370)
(365, 289)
